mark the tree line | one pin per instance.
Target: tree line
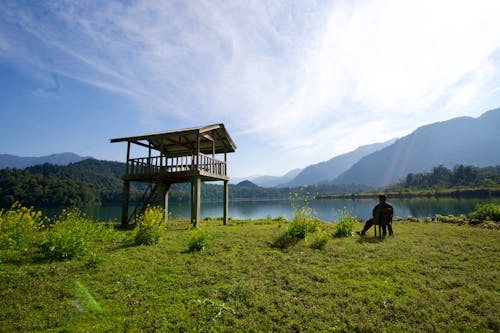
(95, 182)
(441, 177)
(89, 182)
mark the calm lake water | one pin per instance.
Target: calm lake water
(324, 209)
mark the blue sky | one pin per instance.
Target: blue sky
(295, 82)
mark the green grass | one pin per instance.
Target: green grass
(430, 277)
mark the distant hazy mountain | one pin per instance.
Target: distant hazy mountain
(272, 181)
(329, 170)
(18, 162)
(463, 140)
(247, 183)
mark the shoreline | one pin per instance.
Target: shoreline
(449, 193)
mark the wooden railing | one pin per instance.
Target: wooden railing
(162, 165)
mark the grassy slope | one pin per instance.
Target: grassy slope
(429, 277)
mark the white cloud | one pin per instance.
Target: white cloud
(314, 78)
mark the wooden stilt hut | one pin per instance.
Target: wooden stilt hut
(183, 156)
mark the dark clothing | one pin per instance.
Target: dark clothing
(382, 215)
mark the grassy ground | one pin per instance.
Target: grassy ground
(430, 277)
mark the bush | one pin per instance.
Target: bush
(149, 226)
(19, 227)
(70, 236)
(303, 223)
(321, 238)
(461, 219)
(345, 225)
(485, 212)
(199, 240)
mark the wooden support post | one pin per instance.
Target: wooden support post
(226, 202)
(166, 188)
(195, 201)
(225, 165)
(126, 194)
(128, 158)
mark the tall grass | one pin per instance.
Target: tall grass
(199, 240)
(69, 236)
(303, 223)
(19, 227)
(149, 226)
(344, 226)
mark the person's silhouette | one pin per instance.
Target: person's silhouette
(381, 215)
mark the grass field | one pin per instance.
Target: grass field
(429, 277)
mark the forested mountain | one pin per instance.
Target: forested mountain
(18, 162)
(37, 190)
(91, 182)
(464, 140)
(87, 182)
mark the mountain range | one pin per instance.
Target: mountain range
(327, 171)
(462, 140)
(458, 141)
(18, 162)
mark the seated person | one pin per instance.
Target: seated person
(382, 214)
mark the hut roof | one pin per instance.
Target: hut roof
(211, 138)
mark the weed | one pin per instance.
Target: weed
(93, 260)
(461, 219)
(345, 224)
(321, 238)
(19, 227)
(70, 236)
(199, 240)
(149, 226)
(303, 223)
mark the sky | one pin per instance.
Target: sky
(294, 82)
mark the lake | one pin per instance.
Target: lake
(324, 209)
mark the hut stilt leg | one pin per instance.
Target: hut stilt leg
(166, 188)
(126, 195)
(195, 201)
(226, 202)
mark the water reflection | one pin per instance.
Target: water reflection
(324, 209)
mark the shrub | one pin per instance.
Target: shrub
(70, 236)
(149, 226)
(345, 224)
(199, 240)
(19, 227)
(485, 212)
(461, 219)
(321, 238)
(279, 219)
(303, 223)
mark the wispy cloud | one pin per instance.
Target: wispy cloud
(312, 76)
